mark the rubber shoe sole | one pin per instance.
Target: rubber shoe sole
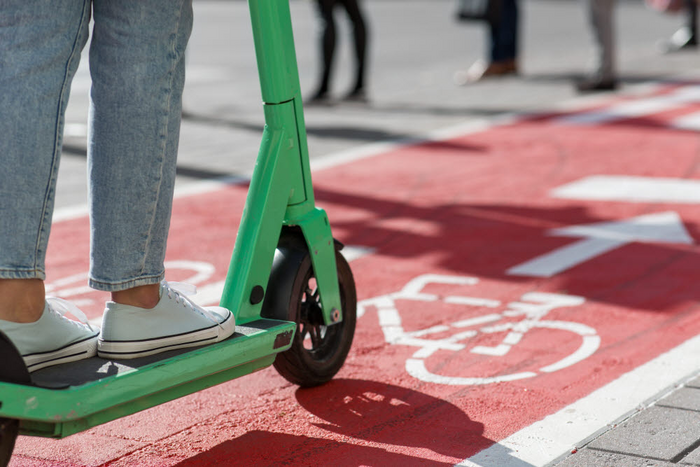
(86, 348)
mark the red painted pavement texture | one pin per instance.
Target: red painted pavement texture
(475, 206)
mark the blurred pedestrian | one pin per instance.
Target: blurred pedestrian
(604, 78)
(328, 46)
(686, 36)
(502, 47)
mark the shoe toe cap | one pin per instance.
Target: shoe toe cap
(221, 313)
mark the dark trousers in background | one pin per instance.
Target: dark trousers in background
(692, 18)
(504, 33)
(328, 41)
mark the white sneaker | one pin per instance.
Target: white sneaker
(174, 323)
(53, 339)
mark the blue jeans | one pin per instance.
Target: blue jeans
(504, 33)
(137, 69)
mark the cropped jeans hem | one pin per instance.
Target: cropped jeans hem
(128, 284)
(22, 274)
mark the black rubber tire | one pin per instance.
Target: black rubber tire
(292, 296)
(9, 429)
(12, 370)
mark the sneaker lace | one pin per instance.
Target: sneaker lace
(61, 306)
(180, 291)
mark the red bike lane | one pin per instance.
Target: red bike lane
(508, 273)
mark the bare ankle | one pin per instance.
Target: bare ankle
(145, 296)
(22, 300)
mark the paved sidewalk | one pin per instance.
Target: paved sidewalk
(664, 434)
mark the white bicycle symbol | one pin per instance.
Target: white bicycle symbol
(532, 307)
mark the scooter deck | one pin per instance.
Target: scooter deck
(70, 398)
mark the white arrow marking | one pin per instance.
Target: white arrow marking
(664, 227)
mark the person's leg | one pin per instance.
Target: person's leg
(328, 38)
(502, 47)
(508, 31)
(601, 14)
(495, 48)
(22, 300)
(138, 71)
(41, 43)
(686, 37)
(603, 26)
(692, 20)
(359, 29)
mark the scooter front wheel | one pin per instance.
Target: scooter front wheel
(318, 351)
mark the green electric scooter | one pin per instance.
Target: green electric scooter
(291, 290)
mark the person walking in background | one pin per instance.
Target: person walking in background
(328, 46)
(686, 36)
(604, 78)
(502, 47)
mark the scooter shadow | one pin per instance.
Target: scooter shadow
(393, 415)
(264, 448)
(367, 422)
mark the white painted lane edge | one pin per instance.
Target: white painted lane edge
(636, 108)
(373, 149)
(551, 439)
(687, 122)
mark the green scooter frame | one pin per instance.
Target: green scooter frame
(292, 292)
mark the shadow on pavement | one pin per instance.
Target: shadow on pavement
(352, 133)
(264, 448)
(389, 414)
(485, 240)
(367, 412)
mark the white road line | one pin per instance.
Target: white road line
(351, 155)
(70, 212)
(327, 162)
(631, 189)
(353, 252)
(75, 130)
(374, 149)
(553, 438)
(618, 112)
(636, 108)
(687, 122)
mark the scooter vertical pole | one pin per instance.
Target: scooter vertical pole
(280, 191)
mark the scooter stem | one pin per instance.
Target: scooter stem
(280, 192)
